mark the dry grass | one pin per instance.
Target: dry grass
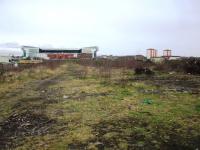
(91, 114)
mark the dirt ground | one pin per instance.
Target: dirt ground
(66, 111)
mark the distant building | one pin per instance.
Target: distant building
(151, 52)
(30, 51)
(134, 57)
(59, 53)
(167, 55)
(162, 58)
(157, 59)
(129, 57)
(140, 58)
(111, 57)
(5, 59)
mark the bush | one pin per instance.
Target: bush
(139, 71)
(146, 71)
(187, 65)
(192, 65)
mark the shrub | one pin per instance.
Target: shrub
(139, 71)
(146, 71)
(192, 65)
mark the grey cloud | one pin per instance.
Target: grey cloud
(117, 27)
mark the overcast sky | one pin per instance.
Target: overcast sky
(118, 27)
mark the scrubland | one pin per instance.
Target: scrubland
(83, 107)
